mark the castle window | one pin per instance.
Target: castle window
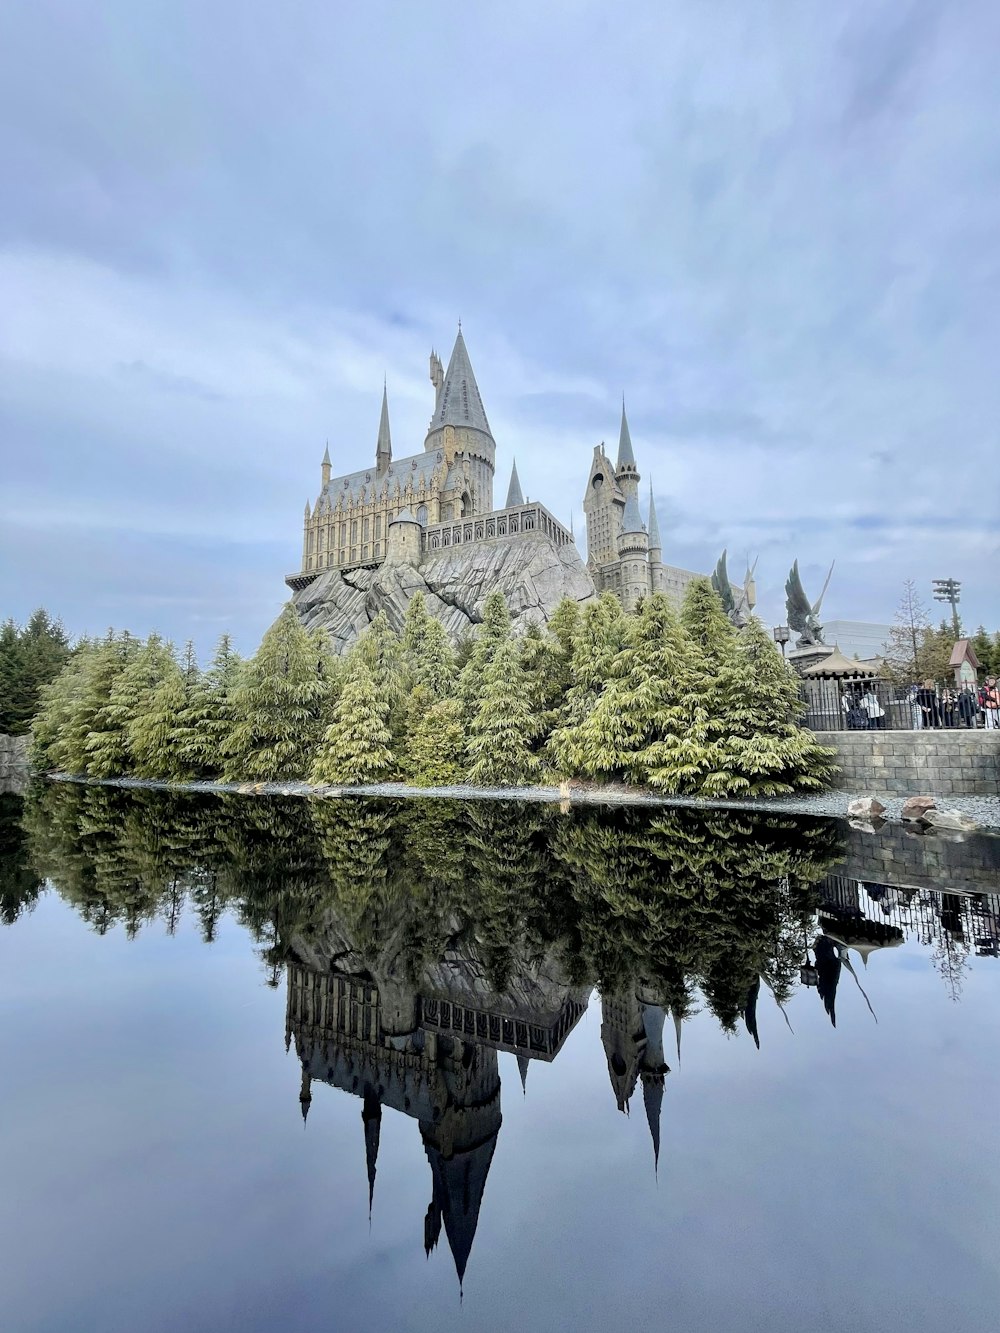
(378, 527)
(422, 514)
(340, 556)
(354, 553)
(343, 533)
(364, 553)
(354, 530)
(378, 549)
(366, 533)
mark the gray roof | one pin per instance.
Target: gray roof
(625, 454)
(514, 496)
(384, 445)
(654, 527)
(631, 519)
(404, 516)
(416, 467)
(460, 403)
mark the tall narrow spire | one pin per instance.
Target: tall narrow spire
(371, 1115)
(514, 496)
(625, 455)
(305, 1094)
(325, 465)
(522, 1069)
(459, 402)
(653, 527)
(383, 450)
(652, 1100)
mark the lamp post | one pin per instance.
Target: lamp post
(949, 590)
(781, 635)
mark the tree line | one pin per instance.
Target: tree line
(30, 657)
(682, 702)
(918, 651)
(686, 902)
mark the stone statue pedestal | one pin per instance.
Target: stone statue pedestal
(800, 658)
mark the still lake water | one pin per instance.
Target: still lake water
(362, 1065)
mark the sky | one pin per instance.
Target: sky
(773, 228)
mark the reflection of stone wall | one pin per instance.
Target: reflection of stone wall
(932, 763)
(13, 762)
(905, 858)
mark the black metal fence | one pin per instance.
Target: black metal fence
(878, 705)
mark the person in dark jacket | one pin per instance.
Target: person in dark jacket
(927, 699)
(968, 705)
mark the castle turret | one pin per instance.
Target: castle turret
(459, 426)
(325, 467)
(402, 545)
(603, 503)
(657, 577)
(626, 472)
(383, 449)
(514, 496)
(633, 552)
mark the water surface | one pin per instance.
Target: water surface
(363, 1065)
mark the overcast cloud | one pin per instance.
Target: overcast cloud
(773, 227)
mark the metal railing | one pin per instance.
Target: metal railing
(879, 705)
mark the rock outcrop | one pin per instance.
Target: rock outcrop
(13, 763)
(533, 573)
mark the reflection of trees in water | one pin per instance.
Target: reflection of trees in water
(19, 885)
(679, 901)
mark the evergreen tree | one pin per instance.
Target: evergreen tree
(598, 640)
(987, 650)
(207, 718)
(498, 744)
(108, 745)
(706, 624)
(760, 749)
(494, 630)
(357, 746)
(29, 659)
(545, 673)
(435, 742)
(58, 706)
(649, 723)
(427, 656)
(102, 666)
(154, 739)
(277, 706)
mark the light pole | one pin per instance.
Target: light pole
(781, 635)
(950, 590)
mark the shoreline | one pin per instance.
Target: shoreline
(985, 810)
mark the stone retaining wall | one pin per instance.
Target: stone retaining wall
(903, 856)
(910, 763)
(13, 762)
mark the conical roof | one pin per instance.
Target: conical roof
(383, 449)
(371, 1116)
(625, 454)
(652, 1100)
(514, 496)
(631, 519)
(460, 403)
(836, 664)
(405, 516)
(654, 527)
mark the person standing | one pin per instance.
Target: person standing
(989, 699)
(949, 707)
(927, 699)
(873, 709)
(968, 705)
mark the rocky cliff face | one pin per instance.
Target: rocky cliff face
(532, 572)
(13, 763)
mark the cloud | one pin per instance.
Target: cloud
(777, 238)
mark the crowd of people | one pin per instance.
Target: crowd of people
(929, 705)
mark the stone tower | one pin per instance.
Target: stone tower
(633, 553)
(603, 505)
(459, 428)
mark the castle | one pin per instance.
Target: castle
(405, 511)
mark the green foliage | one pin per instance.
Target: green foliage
(357, 745)
(499, 734)
(435, 743)
(154, 737)
(277, 703)
(599, 638)
(30, 659)
(494, 631)
(109, 744)
(206, 718)
(427, 657)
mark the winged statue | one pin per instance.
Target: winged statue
(738, 604)
(802, 615)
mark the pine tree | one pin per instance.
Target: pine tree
(427, 655)
(649, 723)
(545, 674)
(102, 664)
(902, 656)
(706, 624)
(600, 637)
(58, 707)
(108, 747)
(498, 745)
(760, 749)
(277, 707)
(435, 742)
(29, 659)
(494, 630)
(207, 718)
(357, 746)
(154, 742)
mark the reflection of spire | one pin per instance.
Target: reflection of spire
(432, 1226)
(827, 974)
(522, 1067)
(305, 1094)
(677, 1033)
(652, 1099)
(371, 1116)
(750, 1011)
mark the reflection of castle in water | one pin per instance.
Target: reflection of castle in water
(430, 1052)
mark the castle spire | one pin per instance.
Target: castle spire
(652, 1100)
(522, 1069)
(383, 450)
(459, 402)
(371, 1116)
(514, 496)
(625, 455)
(655, 548)
(325, 465)
(305, 1094)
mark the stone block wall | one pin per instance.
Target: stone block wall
(903, 856)
(911, 763)
(13, 762)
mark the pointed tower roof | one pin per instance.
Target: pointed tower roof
(514, 496)
(632, 519)
(522, 1069)
(326, 454)
(652, 1100)
(654, 527)
(371, 1115)
(460, 403)
(383, 449)
(625, 454)
(405, 516)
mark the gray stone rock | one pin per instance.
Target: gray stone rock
(866, 808)
(14, 770)
(532, 572)
(951, 820)
(915, 807)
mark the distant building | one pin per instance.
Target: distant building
(857, 638)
